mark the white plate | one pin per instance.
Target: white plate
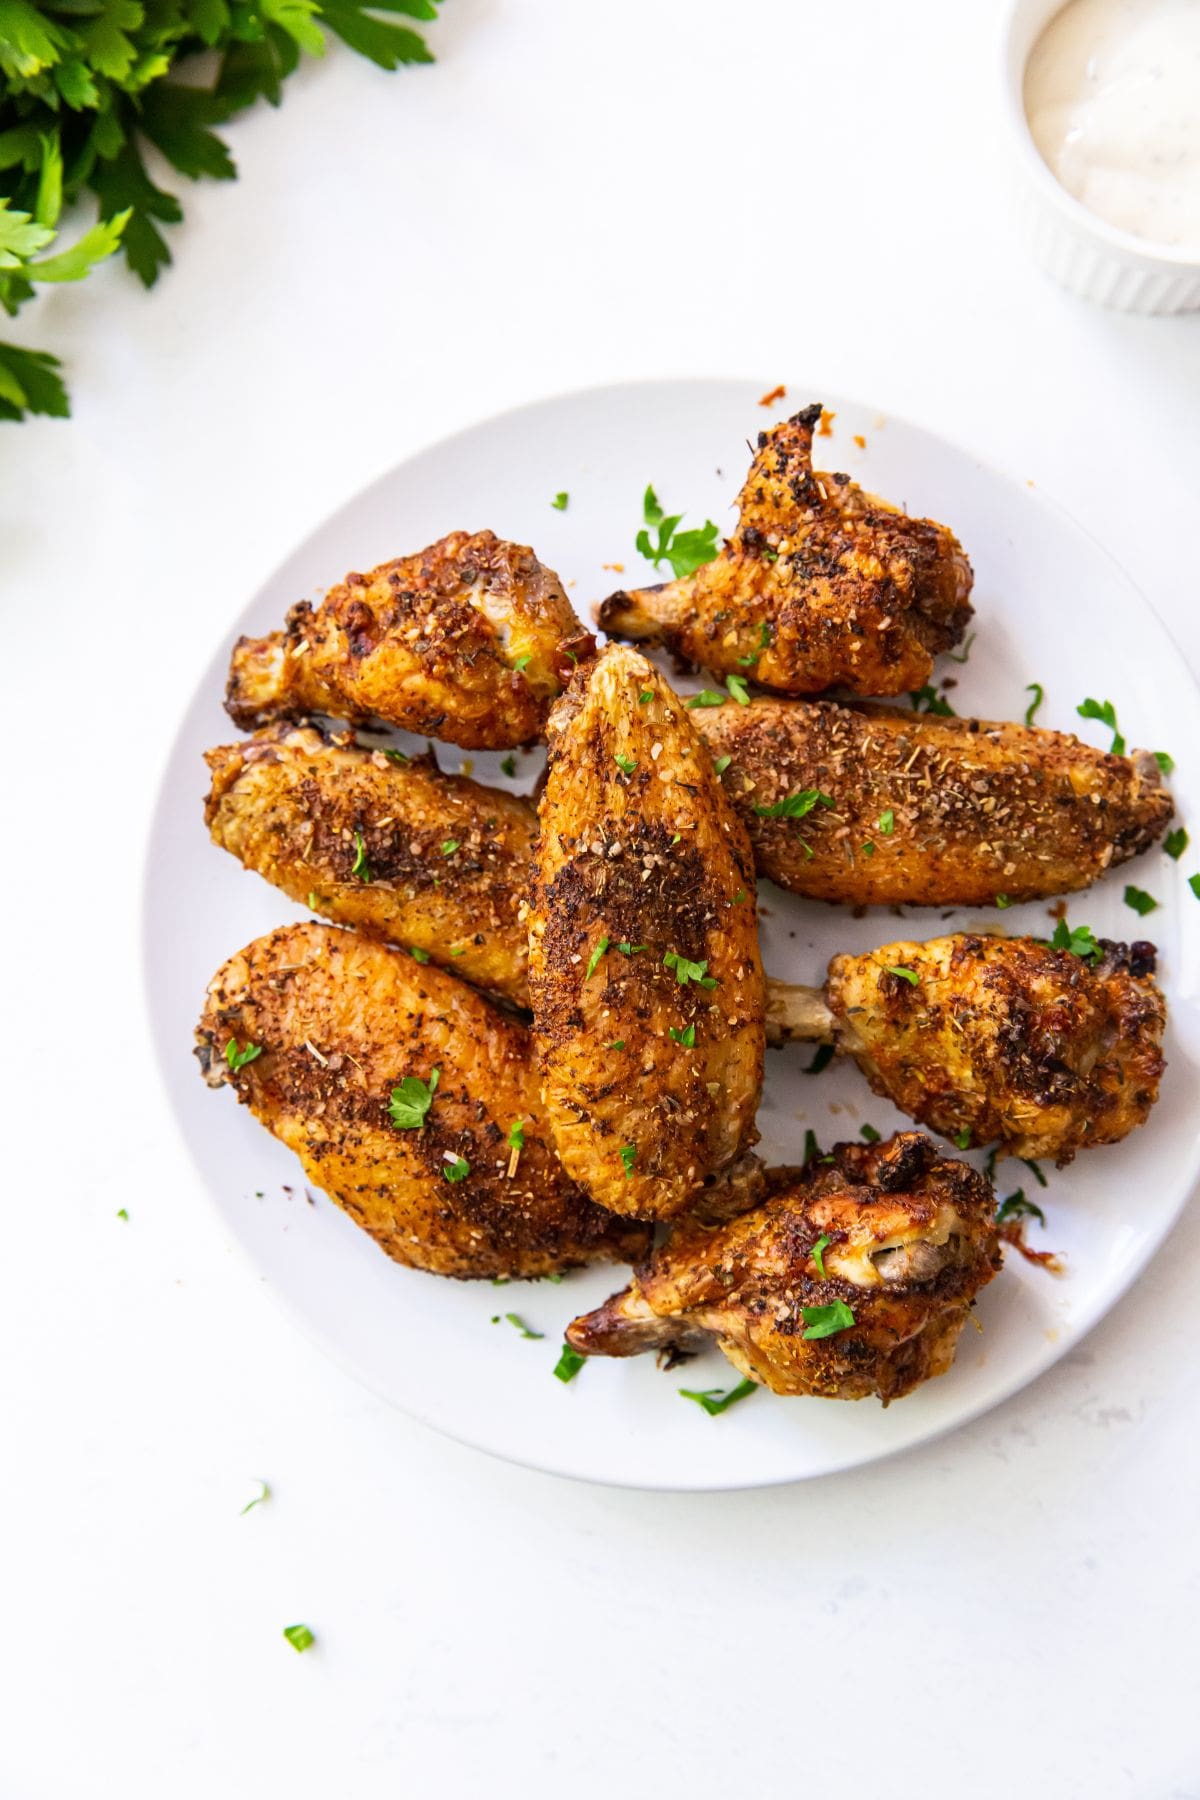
(1052, 607)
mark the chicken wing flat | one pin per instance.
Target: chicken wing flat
(854, 1278)
(820, 585)
(469, 641)
(874, 806)
(644, 970)
(434, 862)
(1006, 1040)
(400, 1089)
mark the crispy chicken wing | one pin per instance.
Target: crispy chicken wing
(1037, 1050)
(435, 862)
(854, 1278)
(644, 969)
(334, 1024)
(820, 585)
(928, 811)
(469, 641)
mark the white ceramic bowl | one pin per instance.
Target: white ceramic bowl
(1083, 252)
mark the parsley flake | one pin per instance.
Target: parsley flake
(1080, 941)
(686, 1037)
(123, 1213)
(508, 766)
(737, 687)
(1166, 763)
(450, 846)
(869, 1133)
(594, 958)
(560, 502)
(398, 756)
(962, 1139)
(1003, 901)
(716, 1400)
(411, 1101)
(646, 695)
(818, 1253)
(966, 651)
(722, 763)
(628, 1155)
(626, 764)
(237, 1059)
(523, 662)
(628, 949)
(516, 1135)
(822, 1057)
(909, 975)
(1141, 902)
(456, 1168)
(927, 699)
(1035, 1171)
(1175, 843)
(1194, 884)
(706, 697)
(362, 867)
(264, 1493)
(1106, 713)
(826, 1321)
(617, 1044)
(795, 806)
(417, 954)
(686, 971)
(299, 1637)
(1016, 1206)
(1039, 694)
(686, 551)
(569, 1364)
(886, 822)
(518, 1324)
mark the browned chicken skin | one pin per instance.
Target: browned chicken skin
(906, 1238)
(1005, 1039)
(470, 641)
(341, 1021)
(820, 585)
(930, 811)
(644, 970)
(434, 862)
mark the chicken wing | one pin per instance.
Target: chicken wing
(854, 1278)
(435, 862)
(408, 1099)
(873, 806)
(820, 585)
(1006, 1040)
(469, 641)
(644, 970)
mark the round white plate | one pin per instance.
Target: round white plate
(1051, 607)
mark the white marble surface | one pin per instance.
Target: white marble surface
(571, 195)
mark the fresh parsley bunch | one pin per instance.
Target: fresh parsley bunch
(87, 85)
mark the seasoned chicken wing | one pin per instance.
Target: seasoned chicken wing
(385, 842)
(1006, 1040)
(408, 1099)
(854, 1278)
(469, 641)
(876, 807)
(820, 585)
(644, 970)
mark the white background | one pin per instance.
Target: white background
(572, 194)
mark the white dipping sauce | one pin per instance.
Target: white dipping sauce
(1112, 95)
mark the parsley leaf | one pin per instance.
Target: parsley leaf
(1016, 1206)
(955, 656)
(561, 501)
(264, 1493)
(1035, 1171)
(962, 1138)
(516, 1135)
(1166, 763)
(909, 975)
(628, 949)
(417, 954)
(299, 1637)
(1194, 884)
(518, 1324)
(411, 1101)
(594, 958)
(795, 806)
(686, 1037)
(626, 764)
(715, 1400)
(1106, 712)
(450, 846)
(362, 867)
(869, 1133)
(1175, 843)
(569, 1364)
(686, 971)
(685, 551)
(721, 764)
(706, 697)
(237, 1059)
(764, 643)
(457, 1169)
(827, 1321)
(1039, 694)
(818, 1253)
(523, 662)
(628, 1155)
(927, 699)
(886, 822)
(1141, 902)
(737, 687)
(1003, 901)
(1080, 941)
(508, 766)
(822, 1057)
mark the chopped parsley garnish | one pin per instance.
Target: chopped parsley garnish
(508, 766)
(738, 897)
(686, 1037)
(560, 501)
(868, 848)
(966, 651)
(1175, 843)
(1035, 1171)
(569, 1364)
(123, 1213)
(450, 846)
(628, 1155)
(617, 1044)
(362, 867)
(457, 1169)
(264, 1493)
(1166, 763)
(628, 949)
(1039, 694)
(516, 1135)
(822, 1057)
(626, 764)
(1016, 1206)
(818, 1253)
(523, 662)
(411, 1101)
(594, 958)
(886, 822)
(795, 806)
(299, 1637)
(869, 1133)
(1194, 884)
(1106, 713)
(909, 975)
(460, 951)
(313, 905)
(826, 1321)
(737, 687)
(764, 643)
(398, 756)
(706, 697)
(646, 695)
(1080, 941)
(417, 954)
(715, 1400)
(518, 1324)
(686, 971)
(237, 1059)
(927, 699)
(962, 1139)
(1002, 901)
(722, 763)
(1141, 902)
(812, 1149)
(686, 551)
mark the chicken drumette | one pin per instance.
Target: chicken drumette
(432, 861)
(874, 806)
(820, 585)
(644, 970)
(854, 1278)
(408, 1099)
(470, 640)
(1003, 1041)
